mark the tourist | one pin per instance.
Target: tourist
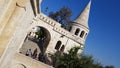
(34, 56)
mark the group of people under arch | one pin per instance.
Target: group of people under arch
(33, 55)
(43, 57)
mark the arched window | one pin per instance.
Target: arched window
(58, 45)
(62, 48)
(82, 34)
(77, 31)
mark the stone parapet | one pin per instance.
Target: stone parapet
(57, 27)
(23, 61)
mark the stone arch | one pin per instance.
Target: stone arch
(58, 45)
(45, 37)
(62, 48)
(77, 31)
(82, 34)
(38, 37)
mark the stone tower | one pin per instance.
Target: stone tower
(80, 26)
(23, 26)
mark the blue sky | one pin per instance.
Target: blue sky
(104, 22)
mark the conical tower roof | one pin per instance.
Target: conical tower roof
(82, 19)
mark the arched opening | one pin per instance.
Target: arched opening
(36, 40)
(77, 31)
(58, 44)
(62, 48)
(82, 34)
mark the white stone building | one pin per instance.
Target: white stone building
(18, 33)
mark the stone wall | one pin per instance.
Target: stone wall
(57, 33)
(17, 18)
(7, 8)
(22, 61)
(57, 27)
(14, 32)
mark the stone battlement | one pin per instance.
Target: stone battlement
(57, 27)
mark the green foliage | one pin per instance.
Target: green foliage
(72, 57)
(109, 66)
(73, 60)
(62, 16)
(39, 33)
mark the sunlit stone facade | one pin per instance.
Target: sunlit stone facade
(19, 22)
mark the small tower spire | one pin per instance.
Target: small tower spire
(82, 19)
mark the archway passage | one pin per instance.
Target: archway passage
(38, 38)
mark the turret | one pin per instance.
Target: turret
(80, 24)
